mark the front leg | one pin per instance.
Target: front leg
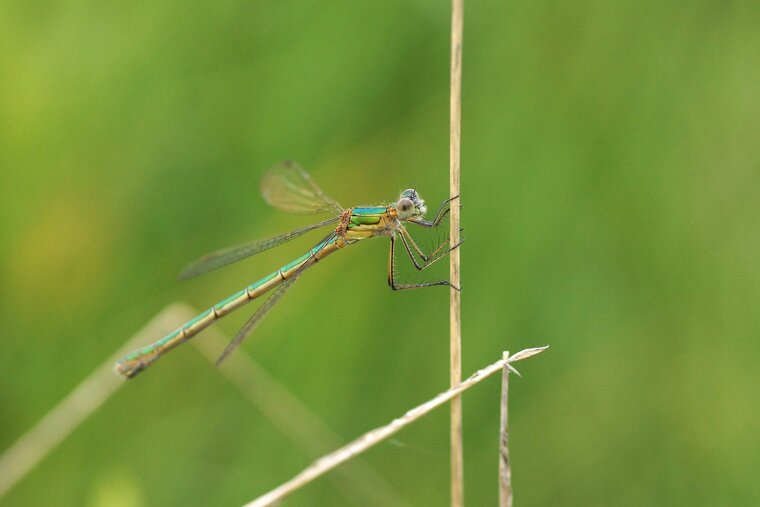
(427, 260)
(443, 210)
(406, 286)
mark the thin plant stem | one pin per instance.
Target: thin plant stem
(455, 320)
(360, 483)
(371, 438)
(71, 411)
(505, 470)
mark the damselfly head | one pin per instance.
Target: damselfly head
(410, 204)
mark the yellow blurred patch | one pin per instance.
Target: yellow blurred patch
(117, 490)
(59, 260)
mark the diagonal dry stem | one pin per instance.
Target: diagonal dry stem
(71, 411)
(377, 435)
(361, 482)
(274, 401)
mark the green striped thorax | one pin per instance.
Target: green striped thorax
(410, 205)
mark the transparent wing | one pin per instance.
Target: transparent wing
(262, 311)
(288, 187)
(227, 256)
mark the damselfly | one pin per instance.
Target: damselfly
(289, 188)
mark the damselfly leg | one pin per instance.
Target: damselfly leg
(436, 255)
(443, 210)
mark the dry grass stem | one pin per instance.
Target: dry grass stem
(455, 339)
(360, 483)
(505, 470)
(377, 435)
(72, 410)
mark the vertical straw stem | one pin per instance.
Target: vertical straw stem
(455, 339)
(505, 470)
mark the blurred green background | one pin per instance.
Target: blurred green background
(610, 177)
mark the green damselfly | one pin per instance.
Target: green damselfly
(289, 188)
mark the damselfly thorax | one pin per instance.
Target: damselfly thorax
(366, 222)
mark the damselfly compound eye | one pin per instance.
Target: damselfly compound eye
(405, 208)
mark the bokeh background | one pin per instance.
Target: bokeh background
(610, 178)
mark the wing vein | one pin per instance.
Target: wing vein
(226, 256)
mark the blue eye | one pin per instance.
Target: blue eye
(409, 193)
